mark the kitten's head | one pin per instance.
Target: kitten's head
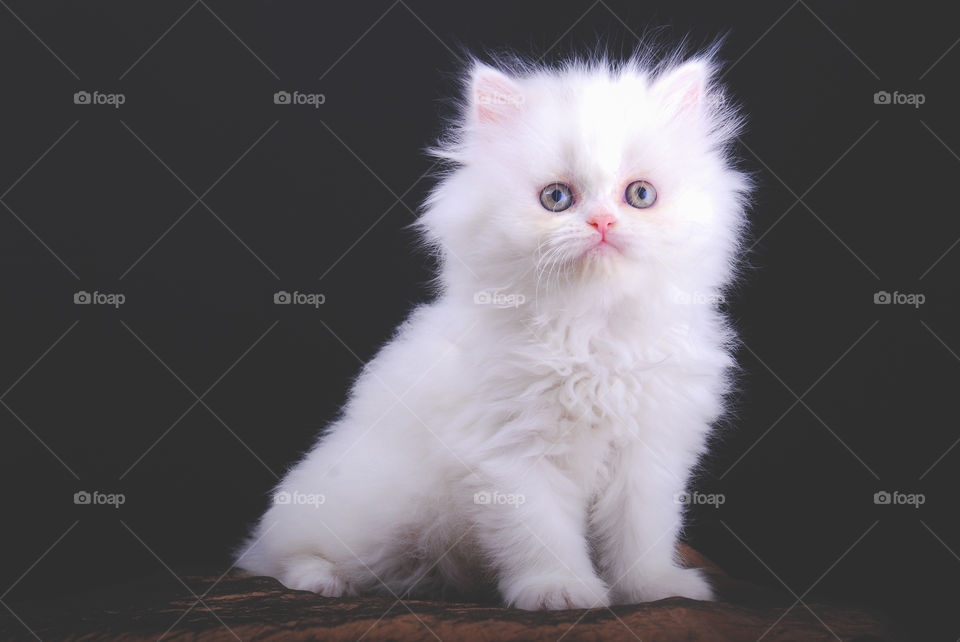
(591, 177)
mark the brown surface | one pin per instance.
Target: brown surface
(259, 608)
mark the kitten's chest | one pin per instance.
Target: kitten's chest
(604, 392)
(573, 389)
(604, 396)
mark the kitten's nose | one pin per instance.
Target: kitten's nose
(602, 221)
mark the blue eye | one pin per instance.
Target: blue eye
(641, 194)
(556, 197)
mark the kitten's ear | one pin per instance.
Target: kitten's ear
(683, 90)
(494, 96)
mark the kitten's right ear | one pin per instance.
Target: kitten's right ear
(494, 96)
(683, 90)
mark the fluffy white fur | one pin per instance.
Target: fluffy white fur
(573, 385)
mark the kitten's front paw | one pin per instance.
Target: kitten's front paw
(317, 575)
(674, 582)
(554, 593)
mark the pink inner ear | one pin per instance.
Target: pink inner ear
(690, 98)
(496, 97)
(684, 90)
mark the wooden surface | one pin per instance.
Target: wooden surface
(259, 608)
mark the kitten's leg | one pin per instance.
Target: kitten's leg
(637, 522)
(288, 544)
(330, 534)
(532, 524)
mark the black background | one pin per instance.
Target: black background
(319, 201)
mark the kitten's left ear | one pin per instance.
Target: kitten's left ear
(683, 90)
(494, 96)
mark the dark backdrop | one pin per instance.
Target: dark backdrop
(842, 398)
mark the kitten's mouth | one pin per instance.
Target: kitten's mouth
(602, 247)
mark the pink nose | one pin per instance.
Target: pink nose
(602, 222)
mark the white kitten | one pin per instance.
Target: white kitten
(532, 427)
